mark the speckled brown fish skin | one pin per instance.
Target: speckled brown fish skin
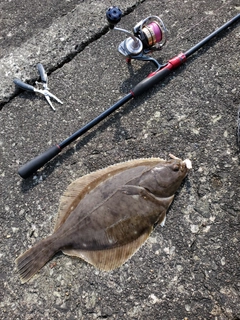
(104, 217)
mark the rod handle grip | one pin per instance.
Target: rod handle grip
(150, 81)
(23, 85)
(36, 163)
(157, 76)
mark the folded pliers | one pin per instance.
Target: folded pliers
(44, 83)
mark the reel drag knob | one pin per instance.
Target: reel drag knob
(114, 15)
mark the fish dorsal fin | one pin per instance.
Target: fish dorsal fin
(80, 187)
(110, 259)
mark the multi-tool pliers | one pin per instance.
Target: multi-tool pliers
(44, 83)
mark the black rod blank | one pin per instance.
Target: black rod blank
(36, 163)
(33, 165)
(209, 37)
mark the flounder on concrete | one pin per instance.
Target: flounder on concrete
(105, 216)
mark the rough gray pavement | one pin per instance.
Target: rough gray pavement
(190, 268)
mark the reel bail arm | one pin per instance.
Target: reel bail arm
(148, 35)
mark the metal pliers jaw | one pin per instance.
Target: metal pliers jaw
(45, 91)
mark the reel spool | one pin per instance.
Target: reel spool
(152, 32)
(148, 35)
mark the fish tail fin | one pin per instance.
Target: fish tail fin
(32, 260)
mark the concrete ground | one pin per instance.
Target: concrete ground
(190, 268)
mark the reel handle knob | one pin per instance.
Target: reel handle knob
(114, 15)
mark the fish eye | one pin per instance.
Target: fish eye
(176, 167)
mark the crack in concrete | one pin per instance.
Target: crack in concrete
(68, 57)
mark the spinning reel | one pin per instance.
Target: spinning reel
(148, 35)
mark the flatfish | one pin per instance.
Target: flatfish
(105, 216)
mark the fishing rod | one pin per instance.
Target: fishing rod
(148, 35)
